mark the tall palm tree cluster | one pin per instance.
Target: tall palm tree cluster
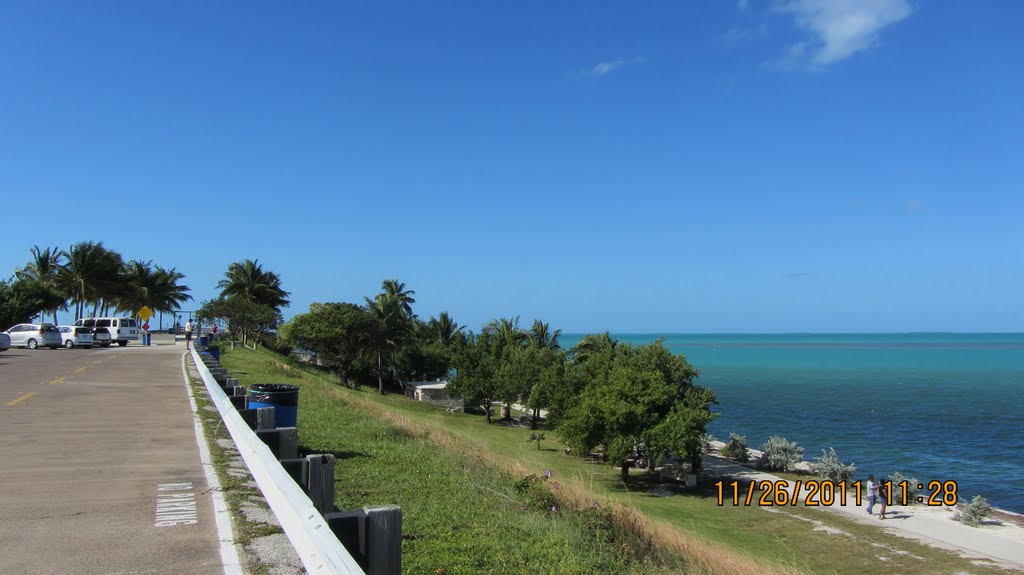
(94, 280)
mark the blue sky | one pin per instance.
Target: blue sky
(707, 166)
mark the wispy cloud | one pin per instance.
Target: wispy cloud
(610, 66)
(740, 34)
(840, 28)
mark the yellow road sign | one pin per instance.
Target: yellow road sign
(145, 313)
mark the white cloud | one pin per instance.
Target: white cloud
(610, 66)
(841, 27)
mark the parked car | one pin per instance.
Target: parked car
(121, 329)
(5, 341)
(33, 335)
(75, 336)
(100, 335)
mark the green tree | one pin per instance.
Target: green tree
(550, 379)
(541, 335)
(476, 369)
(45, 268)
(90, 275)
(639, 399)
(22, 299)
(507, 332)
(243, 317)
(168, 293)
(392, 327)
(139, 286)
(445, 330)
(248, 280)
(337, 332)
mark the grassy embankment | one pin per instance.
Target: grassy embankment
(456, 479)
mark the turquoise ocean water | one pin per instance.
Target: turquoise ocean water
(932, 406)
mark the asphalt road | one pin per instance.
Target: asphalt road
(99, 468)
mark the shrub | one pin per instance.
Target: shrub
(897, 491)
(780, 454)
(705, 442)
(830, 466)
(737, 448)
(973, 513)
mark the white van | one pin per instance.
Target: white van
(121, 329)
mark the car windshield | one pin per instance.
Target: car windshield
(129, 323)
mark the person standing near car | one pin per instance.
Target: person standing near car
(188, 334)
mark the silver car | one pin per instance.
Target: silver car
(75, 336)
(33, 335)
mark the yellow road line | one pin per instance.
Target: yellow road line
(80, 370)
(58, 380)
(23, 398)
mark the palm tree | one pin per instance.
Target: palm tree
(507, 331)
(591, 345)
(542, 336)
(248, 279)
(392, 311)
(45, 268)
(169, 294)
(396, 291)
(90, 274)
(444, 329)
(140, 283)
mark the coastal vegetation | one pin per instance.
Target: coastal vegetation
(630, 404)
(974, 513)
(479, 498)
(88, 275)
(455, 522)
(736, 448)
(832, 468)
(779, 454)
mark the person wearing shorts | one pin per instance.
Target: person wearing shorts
(188, 334)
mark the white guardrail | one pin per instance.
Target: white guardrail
(315, 543)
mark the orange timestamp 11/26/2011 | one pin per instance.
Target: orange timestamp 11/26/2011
(778, 493)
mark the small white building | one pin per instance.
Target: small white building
(432, 392)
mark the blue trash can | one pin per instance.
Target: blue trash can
(283, 398)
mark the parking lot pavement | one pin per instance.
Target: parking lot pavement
(101, 471)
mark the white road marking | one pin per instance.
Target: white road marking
(175, 505)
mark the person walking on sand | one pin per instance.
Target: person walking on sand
(188, 334)
(871, 493)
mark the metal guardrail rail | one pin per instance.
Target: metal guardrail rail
(314, 542)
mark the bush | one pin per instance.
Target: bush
(973, 513)
(830, 466)
(780, 454)
(737, 448)
(897, 491)
(705, 442)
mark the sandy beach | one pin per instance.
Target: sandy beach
(999, 542)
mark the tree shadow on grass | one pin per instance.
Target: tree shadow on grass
(653, 485)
